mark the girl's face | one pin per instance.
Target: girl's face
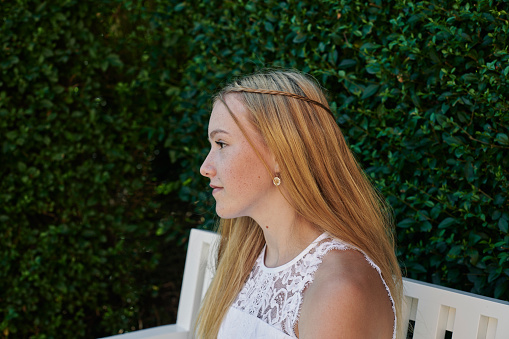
(242, 185)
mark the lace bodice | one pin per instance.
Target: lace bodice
(273, 296)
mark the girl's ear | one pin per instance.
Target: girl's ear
(276, 166)
(273, 162)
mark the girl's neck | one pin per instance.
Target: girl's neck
(286, 240)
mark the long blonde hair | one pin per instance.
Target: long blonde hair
(323, 181)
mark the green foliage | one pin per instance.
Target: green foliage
(81, 125)
(103, 114)
(420, 90)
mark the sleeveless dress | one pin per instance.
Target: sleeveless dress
(268, 306)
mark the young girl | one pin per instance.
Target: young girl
(306, 242)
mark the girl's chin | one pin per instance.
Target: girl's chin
(224, 214)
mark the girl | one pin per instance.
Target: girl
(306, 242)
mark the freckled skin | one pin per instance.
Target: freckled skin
(234, 166)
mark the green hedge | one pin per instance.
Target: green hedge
(420, 90)
(85, 249)
(103, 114)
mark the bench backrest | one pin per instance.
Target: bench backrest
(441, 312)
(432, 311)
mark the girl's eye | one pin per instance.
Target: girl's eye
(221, 144)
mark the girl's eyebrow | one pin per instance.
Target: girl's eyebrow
(214, 132)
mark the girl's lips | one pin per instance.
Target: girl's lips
(215, 189)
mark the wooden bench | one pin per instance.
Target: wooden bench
(432, 312)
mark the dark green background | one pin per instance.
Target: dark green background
(103, 114)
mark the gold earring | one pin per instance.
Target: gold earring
(276, 181)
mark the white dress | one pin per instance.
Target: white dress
(268, 306)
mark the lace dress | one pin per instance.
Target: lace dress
(268, 306)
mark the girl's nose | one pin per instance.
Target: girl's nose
(207, 169)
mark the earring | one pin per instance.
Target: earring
(276, 181)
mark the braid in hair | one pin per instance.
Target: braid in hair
(287, 94)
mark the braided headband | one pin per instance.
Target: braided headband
(287, 94)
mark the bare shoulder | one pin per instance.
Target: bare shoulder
(347, 299)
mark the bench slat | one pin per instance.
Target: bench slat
(468, 325)
(426, 322)
(194, 282)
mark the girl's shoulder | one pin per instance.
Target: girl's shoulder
(347, 296)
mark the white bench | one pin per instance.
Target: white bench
(433, 312)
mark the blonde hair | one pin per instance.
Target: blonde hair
(324, 184)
